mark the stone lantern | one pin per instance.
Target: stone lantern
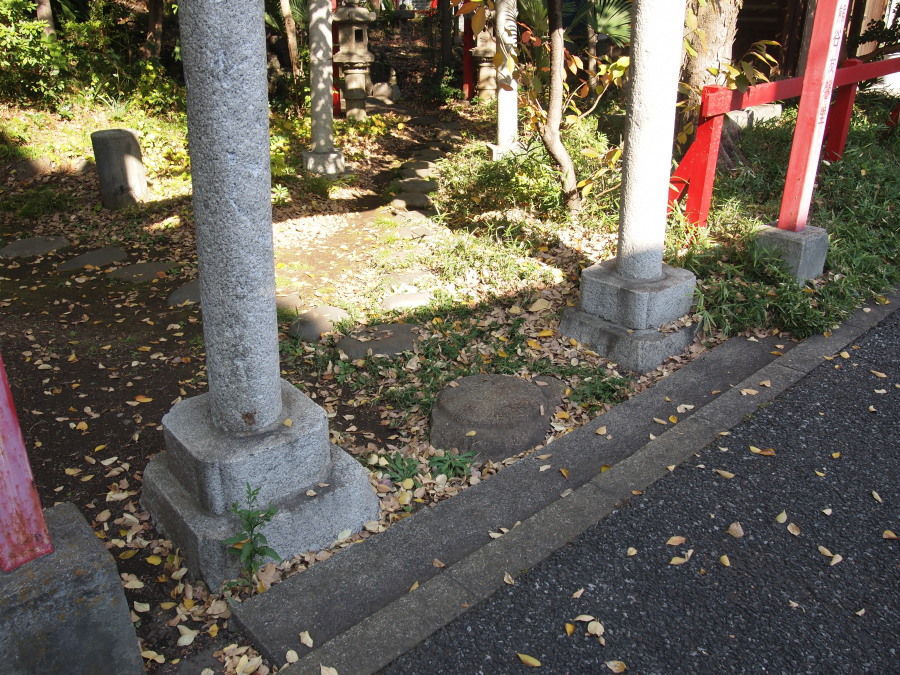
(483, 52)
(353, 54)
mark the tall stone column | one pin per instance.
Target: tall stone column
(625, 301)
(251, 428)
(507, 87)
(322, 159)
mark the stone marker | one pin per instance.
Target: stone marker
(508, 414)
(99, 258)
(803, 253)
(66, 612)
(33, 246)
(143, 273)
(251, 428)
(627, 300)
(120, 167)
(323, 159)
(387, 339)
(310, 325)
(187, 294)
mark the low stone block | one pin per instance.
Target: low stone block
(65, 612)
(412, 200)
(507, 414)
(803, 253)
(290, 302)
(764, 112)
(216, 466)
(302, 522)
(417, 185)
(187, 294)
(640, 351)
(33, 246)
(636, 304)
(324, 163)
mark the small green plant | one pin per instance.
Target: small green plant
(250, 543)
(400, 468)
(452, 465)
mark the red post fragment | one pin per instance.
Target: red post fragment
(838, 124)
(818, 80)
(468, 63)
(699, 194)
(23, 532)
(894, 118)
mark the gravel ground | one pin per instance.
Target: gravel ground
(821, 598)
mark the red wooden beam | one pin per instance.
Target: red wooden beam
(468, 63)
(818, 81)
(838, 125)
(23, 532)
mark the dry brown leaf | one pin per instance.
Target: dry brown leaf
(877, 373)
(675, 541)
(577, 594)
(507, 579)
(877, 497)
(781, 518)
(794, 529)
(835, 560)
(529, 661)
(570, 628)
(601, 431)
(824, 551)
(437, 563)
(888, 534)
(305, 639)
(725, 560)
(631, 551)
(724, 474)
(616, 666)
(735, 530)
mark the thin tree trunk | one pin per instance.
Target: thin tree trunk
(290, 30)
(592, 40)
(153, 44)
(550, 132)
(445, 11)
(45, 14)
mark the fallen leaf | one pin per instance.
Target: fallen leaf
(827, 512)
(631, 551)
(142, 399)
(153, 656)
(725, 561)
(414, 587)
(187, 635)
(305, 639)
(824, 551)
(835, 560)
(684, 407)
(288, 422)
(877, 497)
(577, 594)
(725, 474)
(675, 541)
(437, 563)
(583, 617)
(141, 606)
(794, 529)
(616, 666)
(860, 612)
(877, 373)
(781, 518)
(507, 579)
(154, 560)
(888, 534)
(765, 383)
(290, 656)
(539, 305)
(749, 392)
(735, 530)
(327, 670)
(529, 661)
(565, 473)
(601, 431)
(673, 419)
(570, 628)
(471, 433)
(595, 628)
(659, 421)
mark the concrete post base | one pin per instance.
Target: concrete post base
(66, 612)
(640, 351)
(189, 488)
(803, 253)
(324, 163)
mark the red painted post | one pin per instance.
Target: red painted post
(894, 118)
(818, 80)
(838, 125)
(23, 532)
(468, 64)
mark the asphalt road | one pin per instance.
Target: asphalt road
(783, 605)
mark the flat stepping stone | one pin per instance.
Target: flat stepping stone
(451, 135)
(290, 302)
(33, 246)
(412, 200)
(411, 231)
(417, 185)
(310, 325)
(507, 414)
(427, 154)
(418, 164)
(401, 279)
(405, 301)
(143, 273)
(98, 258)
(415, 218)
(418, 173)
(187, 294)
(386, 339)
(424, 121)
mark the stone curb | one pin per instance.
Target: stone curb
(384, 635)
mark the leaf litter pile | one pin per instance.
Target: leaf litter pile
(95, 363)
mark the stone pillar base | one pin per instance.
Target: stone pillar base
(803, 253)
(640, 351)
(620, 317)
(189, 488)
(324, 163)
(65, 612)
(638, 304)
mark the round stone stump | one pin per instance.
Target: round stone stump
(507, 414)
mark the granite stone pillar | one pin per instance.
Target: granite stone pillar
(483, 54)
(322, 159)
(251, 428)
(120, 168)
(507, 87)
(625, 301)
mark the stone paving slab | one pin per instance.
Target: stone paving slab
(189, 293)
(577, 503)
(369, 576)
(99, 258)
(33, 246)
(400, 301)
(385, 339)
(142, 273)
(310, 325)
(412, 200)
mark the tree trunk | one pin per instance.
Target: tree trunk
(550, 132)
(445, 11)
(45, 14)
(153, 45)
(712, 40)
(290, 30)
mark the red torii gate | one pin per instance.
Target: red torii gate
(696, 172)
